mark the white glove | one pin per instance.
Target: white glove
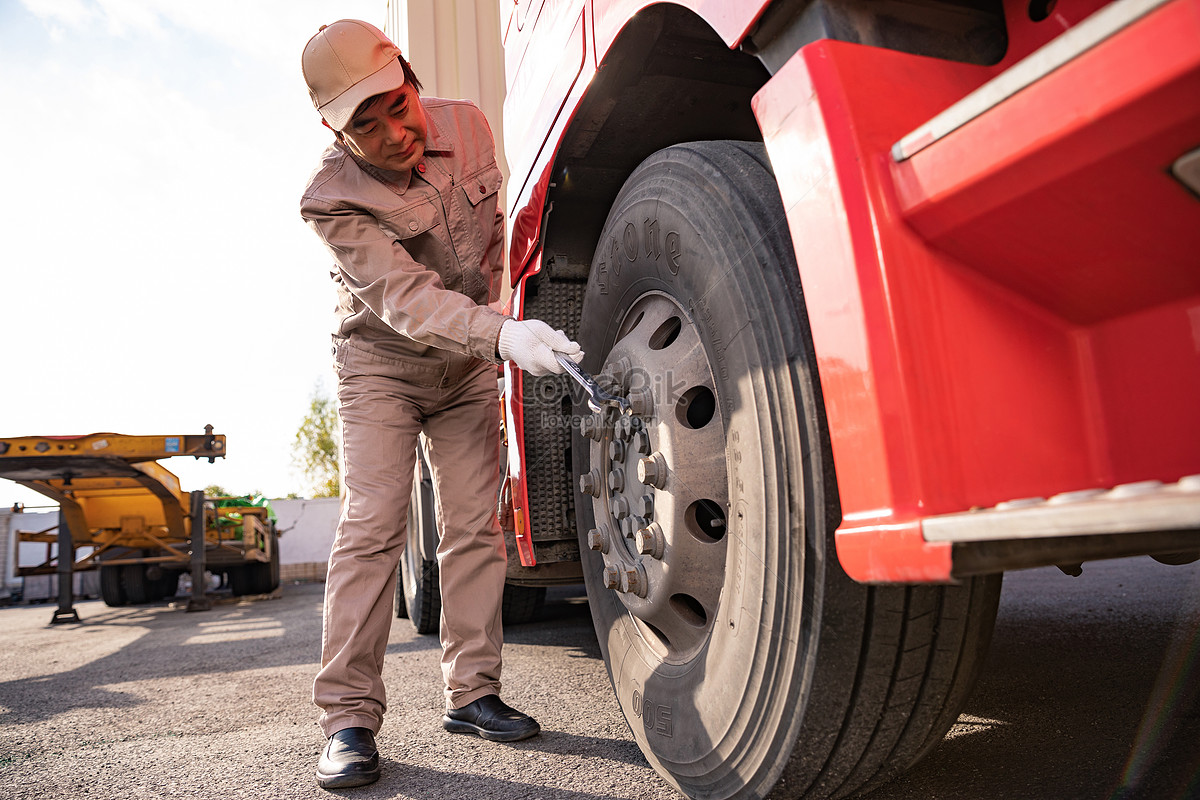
(532, 343)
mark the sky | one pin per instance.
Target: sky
(155, 275)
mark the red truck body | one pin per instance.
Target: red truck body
(1011, 312)
(905, 294)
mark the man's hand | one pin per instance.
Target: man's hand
(532, 343)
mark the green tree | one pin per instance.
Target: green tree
(315, 448)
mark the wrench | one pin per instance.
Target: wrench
(597, 397)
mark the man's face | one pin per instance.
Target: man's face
(390, 133)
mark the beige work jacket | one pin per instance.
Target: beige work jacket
(418, 256)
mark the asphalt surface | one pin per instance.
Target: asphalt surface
(1091, 683)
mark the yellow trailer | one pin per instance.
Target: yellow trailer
(142, 530)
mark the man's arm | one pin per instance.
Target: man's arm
(403, 293)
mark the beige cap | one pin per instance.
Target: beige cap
(344, 64)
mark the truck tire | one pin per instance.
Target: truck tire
(744, 659)
(419, 594)
(111, 590)
(418, 586)
(522, 604)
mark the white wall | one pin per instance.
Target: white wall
(455, 48)
(307, 528)
(31, 554)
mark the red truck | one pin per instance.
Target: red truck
(904, 294)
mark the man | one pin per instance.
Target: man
(405, 200)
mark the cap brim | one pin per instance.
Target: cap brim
(338, 111)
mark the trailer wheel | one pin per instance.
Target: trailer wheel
(256, 577)
(111, 590)
(268, 573)
(135, 583)
(170, 583)
(238, 578)
(265, 574)
(744, 659)
(160, 582)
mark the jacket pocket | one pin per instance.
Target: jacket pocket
(482, 184)
(412, 220)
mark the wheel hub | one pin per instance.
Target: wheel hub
(659, 482)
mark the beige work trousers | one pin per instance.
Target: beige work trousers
(382, 414)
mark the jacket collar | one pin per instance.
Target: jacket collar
(436, 140)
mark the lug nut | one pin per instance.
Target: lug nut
(589, 483)
(641, 443)
(623, 428)
(641, 402)
(644, 505)
(650, 541)
(621, 370)
(620, 507)
(598, 539)
(593, 427)
(616, 479)
(611, 577)
(633, 580)
(616, 450)
(652, 470)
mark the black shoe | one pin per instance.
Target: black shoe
(491, 719)
(349, 759)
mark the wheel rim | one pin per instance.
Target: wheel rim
(660, 490)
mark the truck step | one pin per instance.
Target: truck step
(1132, 508)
